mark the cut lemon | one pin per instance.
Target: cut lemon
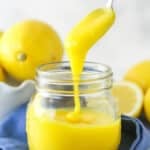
(129, 97)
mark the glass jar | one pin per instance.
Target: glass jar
(47, 124)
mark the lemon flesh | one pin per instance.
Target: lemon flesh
(28, 44)
(129, 98)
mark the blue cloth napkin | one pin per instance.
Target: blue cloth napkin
(134, 135)
(13, 136)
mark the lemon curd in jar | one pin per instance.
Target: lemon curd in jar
(98, 126)
(73, 108)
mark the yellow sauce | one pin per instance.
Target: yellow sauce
(81, 38)
(78, 129)
(95, 131)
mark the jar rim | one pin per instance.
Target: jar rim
(97, 70)
(57, 78)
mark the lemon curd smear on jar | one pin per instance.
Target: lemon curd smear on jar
(48, 126)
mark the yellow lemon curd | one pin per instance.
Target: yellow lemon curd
(78, 129)
(81, 38)
(95, 131)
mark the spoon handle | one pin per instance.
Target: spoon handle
(110, 4)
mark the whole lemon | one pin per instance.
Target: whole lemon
(140, 74)
(147, 105)
(28, 44)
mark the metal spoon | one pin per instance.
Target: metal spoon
(110, 4)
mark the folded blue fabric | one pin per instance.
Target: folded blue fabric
(134, 135)
(13, 136)
(12, 130)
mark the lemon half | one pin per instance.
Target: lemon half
(129, 97)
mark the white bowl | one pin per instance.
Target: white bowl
(13, 96)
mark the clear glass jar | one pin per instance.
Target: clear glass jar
(47, 124)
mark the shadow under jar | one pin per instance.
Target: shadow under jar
(47, 125)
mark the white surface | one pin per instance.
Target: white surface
(125, 44)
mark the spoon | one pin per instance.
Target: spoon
(110, 4)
